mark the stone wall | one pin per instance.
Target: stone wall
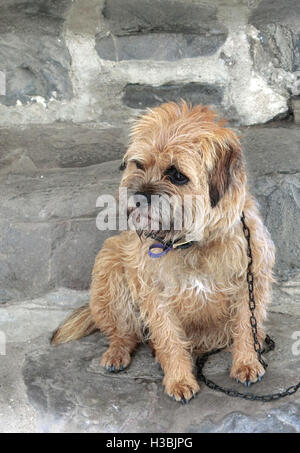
(104, 60)
(76, 73)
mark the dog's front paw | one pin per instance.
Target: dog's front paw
(115, 361)
(183, 390)
(247, 374)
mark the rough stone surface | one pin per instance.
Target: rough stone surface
(271, 150)
(296, 109)
(142, 96)
(134, 401)
(279, 199)
(297, 53)
(59, 145)
(48, 235)
(33, 52)
(286, 296)
(158, 30)
(157, 46)
(22, 324)
(272, 11)
(273, 163)
(133, 16)
(64, 389)
(275, 49)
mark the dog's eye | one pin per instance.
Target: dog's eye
(139, 165)
(176, 177)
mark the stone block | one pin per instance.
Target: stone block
(157, 46)
(134, 16)
(141, 96)
(33, 52)
(158, 30)
(59, 145)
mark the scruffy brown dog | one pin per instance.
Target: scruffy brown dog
(193, 299)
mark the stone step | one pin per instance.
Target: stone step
(48, 233)
(24, 149)
(30, 148)
(64, 388)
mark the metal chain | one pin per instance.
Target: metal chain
(270, 344)
(252, 305)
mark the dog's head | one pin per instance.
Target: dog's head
(187, 158)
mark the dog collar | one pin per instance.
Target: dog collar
(165, 248)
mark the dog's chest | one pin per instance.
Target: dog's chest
(197, 301)
(196, 284)
(188, 284)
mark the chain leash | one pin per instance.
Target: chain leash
(270, 344)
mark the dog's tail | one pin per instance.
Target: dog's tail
(79, 324)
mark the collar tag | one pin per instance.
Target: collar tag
(180, 244)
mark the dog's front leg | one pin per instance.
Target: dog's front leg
(172, 350)
(246, 368)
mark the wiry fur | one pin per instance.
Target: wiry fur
(76, 326)
(188, 300)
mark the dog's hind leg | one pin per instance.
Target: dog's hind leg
(246, 368)
(111, 307)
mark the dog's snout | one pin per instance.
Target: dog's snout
(146, 195)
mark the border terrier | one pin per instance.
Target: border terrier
(193, 297)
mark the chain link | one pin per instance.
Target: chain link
(270, 344)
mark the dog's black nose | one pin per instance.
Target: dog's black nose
(144, 194)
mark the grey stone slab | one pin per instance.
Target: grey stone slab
(36, 257)
(71, 393)
(26, 326)
(279, 205)
(297, 52)
(48, 228)
(271, 150)
(33, 53)
(59, 145)
(57, 194)
(25, 251)
(74, 247)
(141, 96)
(296, 106)
(158, 30)
(273, 163)
(33, 318)
(157, 46)
(133, 16)
(285, 420)
(278, 44)
(286, 296)
(275, 11)
(275, 47)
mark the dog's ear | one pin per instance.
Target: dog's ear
(227, 164)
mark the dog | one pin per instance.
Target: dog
(193, 297)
